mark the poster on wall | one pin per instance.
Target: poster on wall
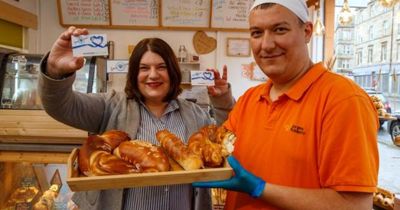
(252, 71)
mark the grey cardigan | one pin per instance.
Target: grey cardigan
(97, 113)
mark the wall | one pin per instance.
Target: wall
(40, 41)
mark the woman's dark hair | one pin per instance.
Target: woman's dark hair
(161, 48)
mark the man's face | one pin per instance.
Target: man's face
(279, 42)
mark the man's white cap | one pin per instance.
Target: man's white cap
(298, 7)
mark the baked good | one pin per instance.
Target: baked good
(178, 151)
(212, 144)
(105, 142)
(211, 153)
(145, 156)
(104, 163)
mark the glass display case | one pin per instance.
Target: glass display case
(19, 76)
(36, 186)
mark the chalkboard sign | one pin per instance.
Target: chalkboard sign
(230, 14)
(81, 12)
(135, 13)
(186, 13)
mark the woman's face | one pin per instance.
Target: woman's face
(153, 78)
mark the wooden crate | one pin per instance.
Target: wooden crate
(80, 183)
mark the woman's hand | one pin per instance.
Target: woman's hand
(221, 83)
(61, 61)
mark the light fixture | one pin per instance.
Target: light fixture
(319, 28)
(388, 3)
(345, 15)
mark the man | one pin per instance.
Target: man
(306, 139)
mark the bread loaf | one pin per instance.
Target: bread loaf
(145, 156)
(105, 142)
(104, 163)
(176, 149)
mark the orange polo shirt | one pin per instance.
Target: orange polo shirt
(322, 133)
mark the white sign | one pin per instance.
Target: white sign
(202, 78)
(89, 45)
(117, 66)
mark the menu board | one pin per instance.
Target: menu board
(230, 13)
(136, 13)
(84, 12)
(156, 14)
(186, 13)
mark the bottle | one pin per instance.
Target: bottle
(182, 54)
(110, 50)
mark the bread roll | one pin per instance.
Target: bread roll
(176, 149)
(145, 156)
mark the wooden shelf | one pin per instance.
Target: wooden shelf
(35, 126)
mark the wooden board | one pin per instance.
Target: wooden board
(77, 183)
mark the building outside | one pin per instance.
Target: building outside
(344, 49)
(376, 50)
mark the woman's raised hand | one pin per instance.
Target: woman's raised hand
(221, 82)
(61, 61)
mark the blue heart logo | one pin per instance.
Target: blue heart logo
(96, 40)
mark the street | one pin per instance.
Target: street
(389, 169)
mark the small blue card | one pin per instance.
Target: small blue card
(89, 45)
(202, 78)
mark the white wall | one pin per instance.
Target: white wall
(41, 40)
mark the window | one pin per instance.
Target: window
(385, 28)
(370, 54)
(359, 57)
(398, 51)
(398, 28)
(371, 32)
(384, 51)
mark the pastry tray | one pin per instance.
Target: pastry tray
(77, 182)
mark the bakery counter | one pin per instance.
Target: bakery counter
(35, 126)
(34, 150)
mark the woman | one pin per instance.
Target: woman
(148, 104)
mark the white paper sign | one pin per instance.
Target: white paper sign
(202, 78)
(117, 66)
(89, 45)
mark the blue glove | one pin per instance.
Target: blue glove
(242, 181)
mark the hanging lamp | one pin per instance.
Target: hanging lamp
(345, 15)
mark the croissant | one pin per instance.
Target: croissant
(144, 155)
(176, 149)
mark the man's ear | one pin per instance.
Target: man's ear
(308, 31)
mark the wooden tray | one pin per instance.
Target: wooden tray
(81, 183)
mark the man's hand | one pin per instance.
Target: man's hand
(242, 181)
(61, 61)
(221, 83)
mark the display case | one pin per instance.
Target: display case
(34, 181)
(19, 76)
